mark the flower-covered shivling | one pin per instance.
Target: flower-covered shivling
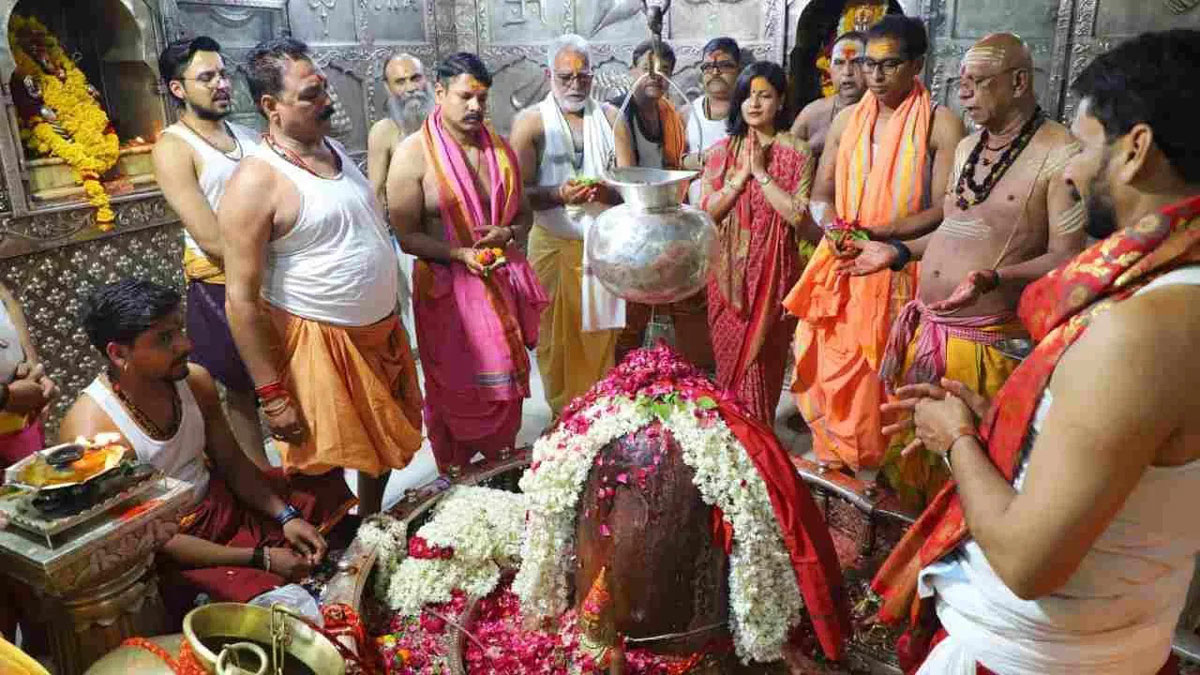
(656, 387)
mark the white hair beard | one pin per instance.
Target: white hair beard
(567, 105)
(409, 116)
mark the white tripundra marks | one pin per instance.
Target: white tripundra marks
(965, 229)
(1071, 220)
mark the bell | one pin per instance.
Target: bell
(652, 249)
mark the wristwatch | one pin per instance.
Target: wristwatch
(288, 514)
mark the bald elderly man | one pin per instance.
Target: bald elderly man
(1009, 219)
(410, 100)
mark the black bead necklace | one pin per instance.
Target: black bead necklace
(980, 191)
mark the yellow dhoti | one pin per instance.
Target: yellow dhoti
(357, 389)
(984, 369)
(570, 361)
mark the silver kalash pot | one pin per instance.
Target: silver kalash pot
(653, 248)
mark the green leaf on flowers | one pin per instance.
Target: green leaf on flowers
(706, 403)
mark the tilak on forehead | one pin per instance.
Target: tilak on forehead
(992, 56)
(885, 48)
(475, 85)
(569, 60)
(760, 84)
(847, 49)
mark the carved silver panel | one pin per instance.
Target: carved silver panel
(52, 284)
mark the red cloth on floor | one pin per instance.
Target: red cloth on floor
(220, 518)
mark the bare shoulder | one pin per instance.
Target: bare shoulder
(1058, 144)
(384, 132)
(948, 128)
(253, 174)
(789, 140)
(203, 387)
(527, 123)
(1150, 338)
(816, 108)
(409, 158)
(840, 121)
(86, 418)
(167, 151)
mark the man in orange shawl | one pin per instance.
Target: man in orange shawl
(1066, 542)
(311, 287)
(454, 191)
(659, 140)
(882, 157)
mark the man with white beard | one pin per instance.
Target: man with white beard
(409, 102)
(562, 145)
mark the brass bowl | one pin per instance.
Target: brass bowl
(231, 619)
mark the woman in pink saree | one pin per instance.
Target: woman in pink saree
(756, 187)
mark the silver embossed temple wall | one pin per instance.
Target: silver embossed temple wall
(51, 252)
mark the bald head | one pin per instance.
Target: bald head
(995, 83)
(1003, 51)
(403, 73)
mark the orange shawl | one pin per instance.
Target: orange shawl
(871, 191)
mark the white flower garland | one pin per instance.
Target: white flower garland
(483, 526)
(764, 596)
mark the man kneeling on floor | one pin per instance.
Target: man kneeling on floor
(246, 532)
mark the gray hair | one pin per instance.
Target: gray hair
(569, 41)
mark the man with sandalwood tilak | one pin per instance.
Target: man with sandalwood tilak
(456, 200)
(849, 85)
(886, 159)
(563, 145)
(1066, 542)
(1009, 219)
(311, 278)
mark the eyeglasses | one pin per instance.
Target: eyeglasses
(968, 83)
(210, 79)
(715, 66)
(583, 77)
(888, 66)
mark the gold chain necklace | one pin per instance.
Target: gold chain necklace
(144, 421)
(237, 145)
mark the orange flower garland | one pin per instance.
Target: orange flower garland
(90, 147)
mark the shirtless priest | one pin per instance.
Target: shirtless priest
(246, 532)
(454, 192)
(1009, 219)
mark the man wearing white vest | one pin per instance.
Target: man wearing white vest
(192, 162)
(720, 64)
(312, 287)
(563, 144)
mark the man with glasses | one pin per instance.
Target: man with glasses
(312, 287)
(193, 162)
(563, 144)
(1009, 219)
(720, 63)
(882, 158)
(849, 85)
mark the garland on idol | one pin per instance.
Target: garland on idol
(69, 123)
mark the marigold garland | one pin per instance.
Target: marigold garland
(91, 147)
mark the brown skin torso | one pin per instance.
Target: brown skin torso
(431, 213)
(812, 124)
(1015, 215)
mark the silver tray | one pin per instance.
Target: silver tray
(24, 516)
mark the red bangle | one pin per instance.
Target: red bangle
(271, 391)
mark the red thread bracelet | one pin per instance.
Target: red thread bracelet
(270, 391)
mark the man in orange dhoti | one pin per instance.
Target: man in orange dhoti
(311, 287)
(881, 157)
(454, 191)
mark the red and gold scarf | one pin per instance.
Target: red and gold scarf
(1057, 310)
